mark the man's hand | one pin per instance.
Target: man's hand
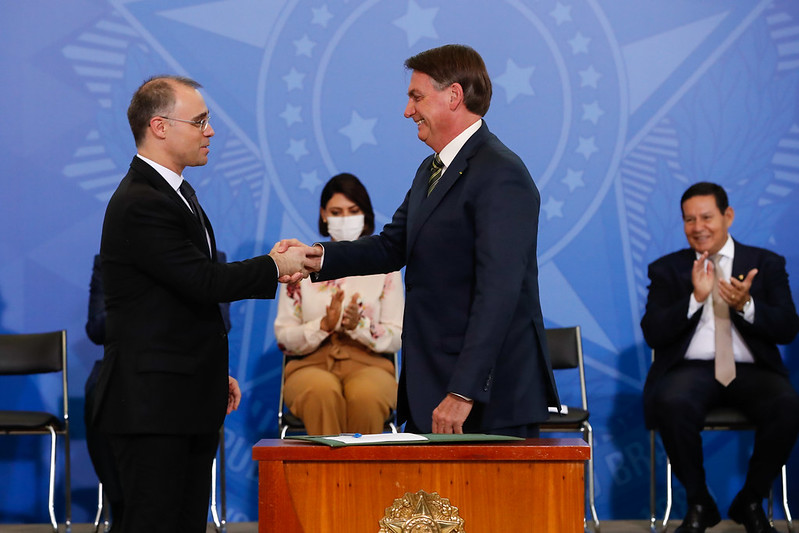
(450, 414)
(313, 258)
(233, 394)
(703, 278)
(295, 260)
(330, 319)
(735, 292)
(352, 313)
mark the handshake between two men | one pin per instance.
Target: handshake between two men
(295, 260)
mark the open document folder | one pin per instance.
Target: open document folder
(336, 441)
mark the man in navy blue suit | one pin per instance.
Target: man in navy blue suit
(687, 379)
(474, 352)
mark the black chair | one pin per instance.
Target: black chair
(289, 423)
(39, 353)
(720, 419)
(566, 352)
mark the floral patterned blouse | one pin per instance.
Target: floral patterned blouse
(302, 305)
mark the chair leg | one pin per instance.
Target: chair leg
(652, 491)
(99, 507)
(770, 507)
(220, 518)
(222, 486)
(68, 480)
(668, 495)
(213, 494)
(785, 508)
(589, 437)
(51, 492)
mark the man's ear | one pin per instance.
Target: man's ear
(729, 216)
(455, 96)
(158, 127)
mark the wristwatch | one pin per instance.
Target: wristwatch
(747, 305)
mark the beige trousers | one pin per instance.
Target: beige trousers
(341, 387)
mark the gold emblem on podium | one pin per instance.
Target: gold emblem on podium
(421, 513)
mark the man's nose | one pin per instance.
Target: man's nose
(409, 110)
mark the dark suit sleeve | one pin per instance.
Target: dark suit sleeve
(156, 236)
(776, 321)
(666, 320)
(95, 324)
(224, 307)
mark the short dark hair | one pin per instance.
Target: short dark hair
(706, 188)
(156, 96)
(457, 63)
(352, 188)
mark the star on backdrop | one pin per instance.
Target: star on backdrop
(515, 80)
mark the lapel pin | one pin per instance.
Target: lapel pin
(740, 277)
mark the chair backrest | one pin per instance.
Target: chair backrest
(565, 347)
(33, 353)
(566, 352)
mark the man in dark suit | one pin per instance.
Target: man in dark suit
(98, 444)
(718, 301)
(474, 353)
(164, 388)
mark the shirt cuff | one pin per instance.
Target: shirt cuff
(693, 305)
(748, 313)
(462, 397)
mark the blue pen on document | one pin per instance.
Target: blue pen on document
(354, 435)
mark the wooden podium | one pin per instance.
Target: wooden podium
(535, 485)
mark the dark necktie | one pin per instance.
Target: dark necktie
(188, 193)
(435, 174)
(725, 362)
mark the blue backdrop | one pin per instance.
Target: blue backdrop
(615, 106)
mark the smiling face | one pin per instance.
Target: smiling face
(431, 109)
(185, 145)
(706, 227)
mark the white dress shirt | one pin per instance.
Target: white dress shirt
(703, 343)
(448, 153)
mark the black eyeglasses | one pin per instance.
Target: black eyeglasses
(202, 124)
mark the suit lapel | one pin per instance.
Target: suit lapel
(160, 184)
(743, 261)
(422, 206)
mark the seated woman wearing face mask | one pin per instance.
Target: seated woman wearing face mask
(335, 334)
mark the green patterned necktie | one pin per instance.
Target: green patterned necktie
(435, 174)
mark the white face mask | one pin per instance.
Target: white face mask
(345, 228)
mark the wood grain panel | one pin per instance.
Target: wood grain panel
(319, 491)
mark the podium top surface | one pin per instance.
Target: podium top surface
(573, 449)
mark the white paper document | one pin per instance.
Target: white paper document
(378, 438)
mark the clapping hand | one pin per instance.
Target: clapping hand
(702, 276)
(333, 312)
(736, 292)
(352, 313)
